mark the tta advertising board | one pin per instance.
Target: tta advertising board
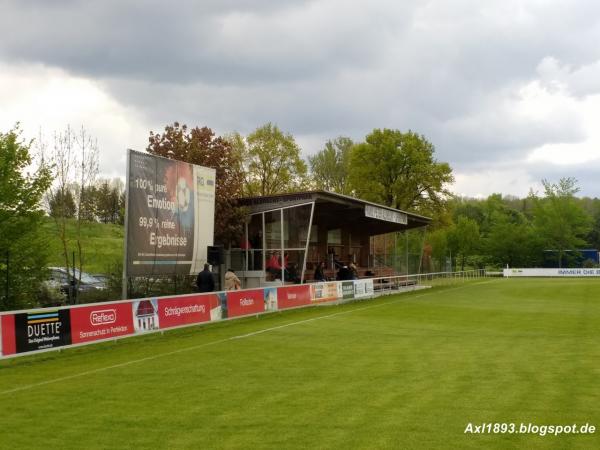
(40, 330)
(91, 323)
(293, 296)
(170, 215)
(241, 303)
(177, 311)
(346, 290)
(324, 292)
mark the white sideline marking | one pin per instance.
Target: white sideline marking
(220, 341)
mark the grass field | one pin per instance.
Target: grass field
(102, 244)
(404, 371)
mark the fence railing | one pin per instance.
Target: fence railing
(37, 330)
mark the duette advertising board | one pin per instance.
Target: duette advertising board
(170, 215)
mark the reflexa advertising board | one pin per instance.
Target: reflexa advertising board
(178, 311)
(91, 323)
(293, 296)
(170, 215)
(242, 303)
(324, 292)
(551, 272)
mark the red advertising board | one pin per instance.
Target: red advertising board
(101, 321)
(9, 346)
(241, 303)
(293, 296)
(177, 311)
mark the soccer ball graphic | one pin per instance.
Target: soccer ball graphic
(183, 195)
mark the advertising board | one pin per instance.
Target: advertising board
(177, 311)
(91, 323)
(241, 303)
(293, 296)
(170, 215)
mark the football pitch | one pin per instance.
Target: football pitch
(401, 371)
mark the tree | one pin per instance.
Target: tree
(330, 166)
(512, 241)
(200, 146)
(75, 160)
(62, 204)
(463, 239)
(559, 219)
(273, 162)
(399, 170)
(23, 253)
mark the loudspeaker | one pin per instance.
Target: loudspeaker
(214, 255)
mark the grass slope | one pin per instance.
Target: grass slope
(102, 244)
(407, 371)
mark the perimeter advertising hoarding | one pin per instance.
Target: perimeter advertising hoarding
(241, 303)
(176, 311)
(7, 328)
(39, 330)
(293, 296)
(552, 272)
(346, 290)
(363, 288)
(91, 323)
(170, 215)
(324, 292)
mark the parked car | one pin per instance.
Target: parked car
(59, 278)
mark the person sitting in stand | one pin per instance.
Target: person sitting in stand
(274, 265)
(320, 272)
(353, 271)
(344, 273)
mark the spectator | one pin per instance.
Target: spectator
(344, 273)
(232, 282)
(320, 272)
(353, 271)
(205, 281)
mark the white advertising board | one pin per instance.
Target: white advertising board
(551, 272)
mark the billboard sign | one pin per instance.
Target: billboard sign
(91, 323)
(170, 215)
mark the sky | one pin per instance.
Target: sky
(507, 91)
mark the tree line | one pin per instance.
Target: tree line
(391, 167)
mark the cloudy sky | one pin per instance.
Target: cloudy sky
(508, 91)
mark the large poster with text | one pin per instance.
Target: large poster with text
(293, 296)
(363, 288)
(241, 303)
(99, 321)
(170, 215)
(177, 311)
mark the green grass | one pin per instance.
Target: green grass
(102, 244)
(405, 371)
